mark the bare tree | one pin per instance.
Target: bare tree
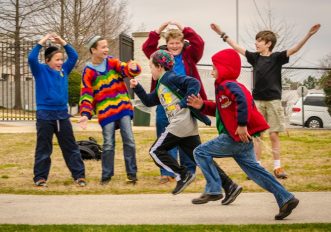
(14, 26)
(281, 27)
(78, 20)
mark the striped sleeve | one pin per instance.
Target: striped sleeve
(123, 68)
(86, 102)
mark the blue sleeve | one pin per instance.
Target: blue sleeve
(188, 85)
(241, 103)
(148, 100)
(34, 61)
(72, 58)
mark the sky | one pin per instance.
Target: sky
(300, 15)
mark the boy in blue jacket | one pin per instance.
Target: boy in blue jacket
(51, 80)
(171, 92)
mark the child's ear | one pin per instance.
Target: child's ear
(269, 44)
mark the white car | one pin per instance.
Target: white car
(316, 113)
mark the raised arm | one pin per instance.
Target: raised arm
(299, 45)
(227, 39)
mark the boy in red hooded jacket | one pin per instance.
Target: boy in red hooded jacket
(237, 120)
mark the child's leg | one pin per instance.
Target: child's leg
(161, 123)
(129, 147)
(245, 157)
(203, 155)
(70, 149)
(159, 153)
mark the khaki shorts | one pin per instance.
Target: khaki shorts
(273, 112)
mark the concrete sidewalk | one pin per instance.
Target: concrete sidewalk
(249, 208)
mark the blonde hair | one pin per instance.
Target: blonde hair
(174, 34)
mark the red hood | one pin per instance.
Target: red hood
(228, 64)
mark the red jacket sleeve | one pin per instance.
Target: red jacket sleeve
(150, 45)
(209, 108)
(195, 50)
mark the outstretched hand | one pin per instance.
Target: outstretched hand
(243, 134)
(314, 29)
(133, 83)
(195, 101)
(216, 28)
(82, 121)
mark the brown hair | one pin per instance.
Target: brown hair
(174, 34)
(267, 36)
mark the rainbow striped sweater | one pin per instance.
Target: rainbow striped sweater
(105, 93)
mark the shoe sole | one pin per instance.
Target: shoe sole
(204, 202)
(291, 207)
(233, 196)
(185, 185)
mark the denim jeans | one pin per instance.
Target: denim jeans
(64, 133)
(129, 147)
(243, 153)
(161, 123)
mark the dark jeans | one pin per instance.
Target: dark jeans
(65, 136)
(161, 123)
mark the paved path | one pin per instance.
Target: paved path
(249, 208)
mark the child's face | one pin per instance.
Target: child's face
(262, 46)
(175, 46)
(214, 72)
(102, 49)
(56, 61)
(156, 71)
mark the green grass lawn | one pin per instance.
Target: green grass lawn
(306, 156)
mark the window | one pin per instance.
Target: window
(315, 101)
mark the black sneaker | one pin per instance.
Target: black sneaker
(131, 178)
(231, 194)
(183, 183)
(204, 198)
(105, 181)
(287, 208)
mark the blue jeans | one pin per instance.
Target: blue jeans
(129, 147)
(161, 123)
(243, 153)
(65, 136)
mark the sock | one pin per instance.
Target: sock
(276, 164)
(259, 162)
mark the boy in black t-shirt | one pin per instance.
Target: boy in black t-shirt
(267, 90)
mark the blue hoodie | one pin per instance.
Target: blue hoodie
(52, 85)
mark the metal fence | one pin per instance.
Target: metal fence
(16, 82)
(297, 112)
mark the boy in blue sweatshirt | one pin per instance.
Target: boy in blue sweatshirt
(51, 81)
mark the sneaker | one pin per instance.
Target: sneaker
(81, 182)
(231, 194)
(105, 181)
(183, 183)
(131, 178)
(280, 173)
(41, 183)
(204, 198)
(287, 208)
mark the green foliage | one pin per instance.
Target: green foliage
(75, 79)
(311, 82)
(326, 84)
